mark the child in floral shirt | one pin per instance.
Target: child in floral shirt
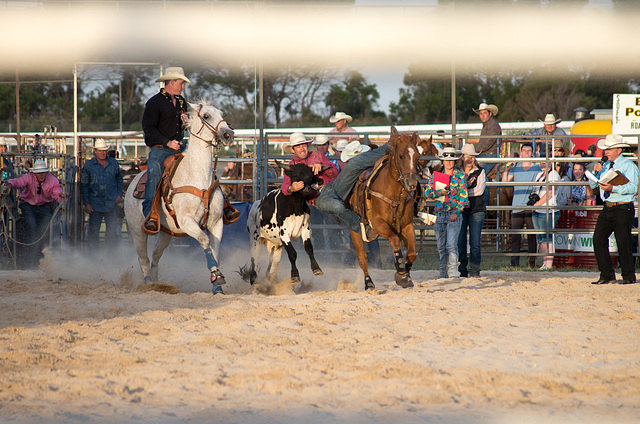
(448, 212)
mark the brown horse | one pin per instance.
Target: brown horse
(386, 199)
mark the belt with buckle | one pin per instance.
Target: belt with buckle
(609, 204)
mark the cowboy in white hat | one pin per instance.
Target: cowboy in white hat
(101, 188)
(163, 124)
(487, 145)
(549, 128)
(618, 211)
(39, 188)
(342, 129)
(322, 144)
(352, 150)
(299, 145)
(333, 195)
(473, 214)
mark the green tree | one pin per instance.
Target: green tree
(357, 98)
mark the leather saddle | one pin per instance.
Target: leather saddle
(360, 195)
(170, 165)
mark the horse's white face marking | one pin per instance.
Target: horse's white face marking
(412, 154)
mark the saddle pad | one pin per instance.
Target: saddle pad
(138, 193)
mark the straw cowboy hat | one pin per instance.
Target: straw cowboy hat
(559, 144)
(339, 116)
(550, 119)
(173, 73)
(612, 141)
(449, 153)
(340, 145)
(40, 167)
(296, 139)
(100, 144)
(491, 108)
(468, 149)
(321, 139)
(3, 142)
(352, 150)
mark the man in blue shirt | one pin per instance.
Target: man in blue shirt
(617, 214)
(522, 172)
(101, 189)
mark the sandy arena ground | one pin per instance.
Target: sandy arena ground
(81, 342)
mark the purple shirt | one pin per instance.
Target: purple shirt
(28, 183)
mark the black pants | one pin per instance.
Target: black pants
(518, 221)
(617, 220)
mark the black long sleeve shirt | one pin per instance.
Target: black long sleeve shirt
(161, 120)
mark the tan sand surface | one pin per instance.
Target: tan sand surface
(82, 342)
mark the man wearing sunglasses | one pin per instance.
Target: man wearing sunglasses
(39, 189)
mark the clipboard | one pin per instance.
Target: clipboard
(441, 181)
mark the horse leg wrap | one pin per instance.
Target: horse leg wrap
(368, 283)
(211, 262)
(401, 262)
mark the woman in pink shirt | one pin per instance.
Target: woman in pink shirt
(39, 189)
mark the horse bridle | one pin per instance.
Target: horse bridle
(213, 129)
(402, 179)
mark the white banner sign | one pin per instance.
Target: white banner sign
(626, 114)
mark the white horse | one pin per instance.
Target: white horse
(207, 130)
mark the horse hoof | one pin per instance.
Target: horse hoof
(147, 280)
(295, 280)
(217, 290)
(318, 272)
(404, 280)
(368, 284)
(217, 278)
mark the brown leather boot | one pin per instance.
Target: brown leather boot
(151, 224)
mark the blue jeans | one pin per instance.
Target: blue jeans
(36, 219)
(540, 223)
(155, 168)
(111, 227)
(473, 222)
(447, 239)
(329, 202)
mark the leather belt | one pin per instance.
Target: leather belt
(609, 204)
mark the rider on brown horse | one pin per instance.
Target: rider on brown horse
(333, 196)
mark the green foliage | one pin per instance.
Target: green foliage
(357, 98)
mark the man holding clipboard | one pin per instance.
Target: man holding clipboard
(617, 189)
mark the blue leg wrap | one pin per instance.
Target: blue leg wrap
(211, 262)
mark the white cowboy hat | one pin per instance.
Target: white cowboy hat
(3, 142)
(468, 149)
(39, 167)
(491, 108)
(340, 145)
(295, 139)
(321, 139)
(352, 150)
(339, 116)
(449, 153)
(100, 144)
(550, 119)
(612, 141)
(173, 73)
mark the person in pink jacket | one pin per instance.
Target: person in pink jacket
(38, 189)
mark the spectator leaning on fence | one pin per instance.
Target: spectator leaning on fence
(342, 129)
(488, 147)
(617, 214)
(549, 128)
(522, 172)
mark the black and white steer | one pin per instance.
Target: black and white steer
(277, 219)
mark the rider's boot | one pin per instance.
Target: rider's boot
(151, 224)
